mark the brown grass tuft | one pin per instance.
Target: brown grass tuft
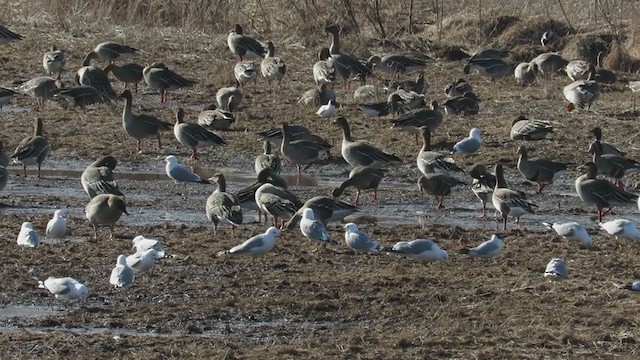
(530, 30)
(587, 46)
(619, 59)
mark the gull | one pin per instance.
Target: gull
(420, 249)
(571, 231)
(469, 144)
(142, 244)
(328, 110)
(556, 270)
(122, 274)
(142, 261)
(179, 173)
(634, 286)
(57, 226)
(313, 229)
(27, 236)
(359, 241)
(257, 245)
(488, 249)
(621, 228)
(65, 288)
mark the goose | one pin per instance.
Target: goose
(529, 129)
(272, 67)
(413, 120)
(325, 208)
(41, 88)
(90, 75)
(223, 207)
(112, 51)
(229, 98)
(606, 147)
(420, 249)
(492, 67)
(482, 186)
(301, 152)
(105, 209)
(359, 241)
(549, 63)
(5, 96)
(255, 246)
(458, 88)
(247, 196)
(298, 132)
(602, 75)
(268, 160)
(122, 274)
(98, 177)
(4, 158)
(140, 126)
(213, 117)
(277, 202)
(411, 100)
(599, 192)
(32, 150)
(571, 231)
(428, 160)
(242, 45)
(556, 270)
(65, 288)
(578, 70)
(509, 202)
(393, 106)
(612, 165)
(361, 153)
(194, 135)
(621, 228)
(549, 39)
(541, 171)
(488, 53)
(324, 70)
(634, 86)
(419, 85)
(159, 76)
(346, 64)
(245, 71)
(53, 62)
(581, 93)
(128, 73)
(487, 249)
(7, 35)
(466, 104)
(395, 64)
(365, 92)
(318, 96)
(81, 96)
(525, 73)
(469, 144)
(362, 178)
(438, 185)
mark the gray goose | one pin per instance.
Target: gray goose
(267, 160)
(32, 149)
(105, 209)
(600, 192)
(482, 186)
(393, 106)
(525, 73)
(438, 185)
(90, 75)
(53, 62)
(301, 152)
(606, 147)
(41, 88)
(140, 126)
(602, 75)
(492, 67)
(361, 153)
(245, 71)
(223, 207)
(612, 165)
(242, 45)
(581, 93)
(549, 39)
(419, 85)
(318, 96)
(81, 96)
(549, 63)
(7, 94)
(229, 98)
(325, 209)
(194, 135)
(215, 118)
(346, 64)
(411, 100)
(396, 64)
(362, 178)
(277, 202)
(509, 202)
(541, 171)
(272, 67)
(7, 35)
(159, 76)
(98, 177)
(432, 160)
(413, 120)
(324, 70)
(247, 196)
(458, 88)
(526, 129)
(298, 132)
(112, 51)
(466, 104)
(488, 53)
(128, 73)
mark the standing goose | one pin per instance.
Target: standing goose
(272, 67)
(458, 88)
(98, 177)
(53, 62)
(229, 98)
(549, 63)
(90, 75)
(326, 209)
(245, 71)
(268, 160)
(243, 46)
(361, 153)
(41, 88)
(413, 120)
(301, 152)
(482, 186)
(159, 76)
(606, 147)
(105, 209)
(247, 196)
(525, 73)
(215, 118)
(396, 64)
(491, 67)
(509, 202)
(526, 129)
(128, 73)
(541, 171)
(112, 51)
(466, 104)
(32, 149)
(433, 159)
(600, 192)
(346, 64)
(222, 206)
(194, 135)
(602, 75)
(612, 165)
(297, 132)
(362, 178)
(140, 126)
(324, 70)
(7, 35)
(277, 202)
(438, 185)
(581, 93)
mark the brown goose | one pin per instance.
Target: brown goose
(346, 64)
(482, 186)
(413, 120)
(272, 67)
(301, 152)
(140, 126)
(509, 202)
(582, 93)
(247, 195)
(541, 171)
(127, 73)
(32, 150)
(242, 45)
(215, 118)
(159, 76)
(325, 209)
(458, 88)
(428, 159)
(90, 75)
(361, 153)
(277, 202)
(267, 160)
(98, 177)
(318, 96)
(362, 178)
(606, 147)
(112, 51)
(223, 207)
(438, 185)
(612, 165)
(600, 192)
(105, 209)
(526, 129)
(466, 104)
(549, 63)
(194, 135)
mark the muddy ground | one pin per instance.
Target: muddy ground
(300, 301)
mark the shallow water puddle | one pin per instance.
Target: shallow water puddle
(28, 311)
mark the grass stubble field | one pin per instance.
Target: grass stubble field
(297, 302)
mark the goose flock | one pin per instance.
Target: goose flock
(294, 144)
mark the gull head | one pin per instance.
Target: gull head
(58, 214)
(351, 227)
(171, 160)
(137, 239)
(475, 133)
(308, 214)
(122, 260)
(26, 226)
(272, 231)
